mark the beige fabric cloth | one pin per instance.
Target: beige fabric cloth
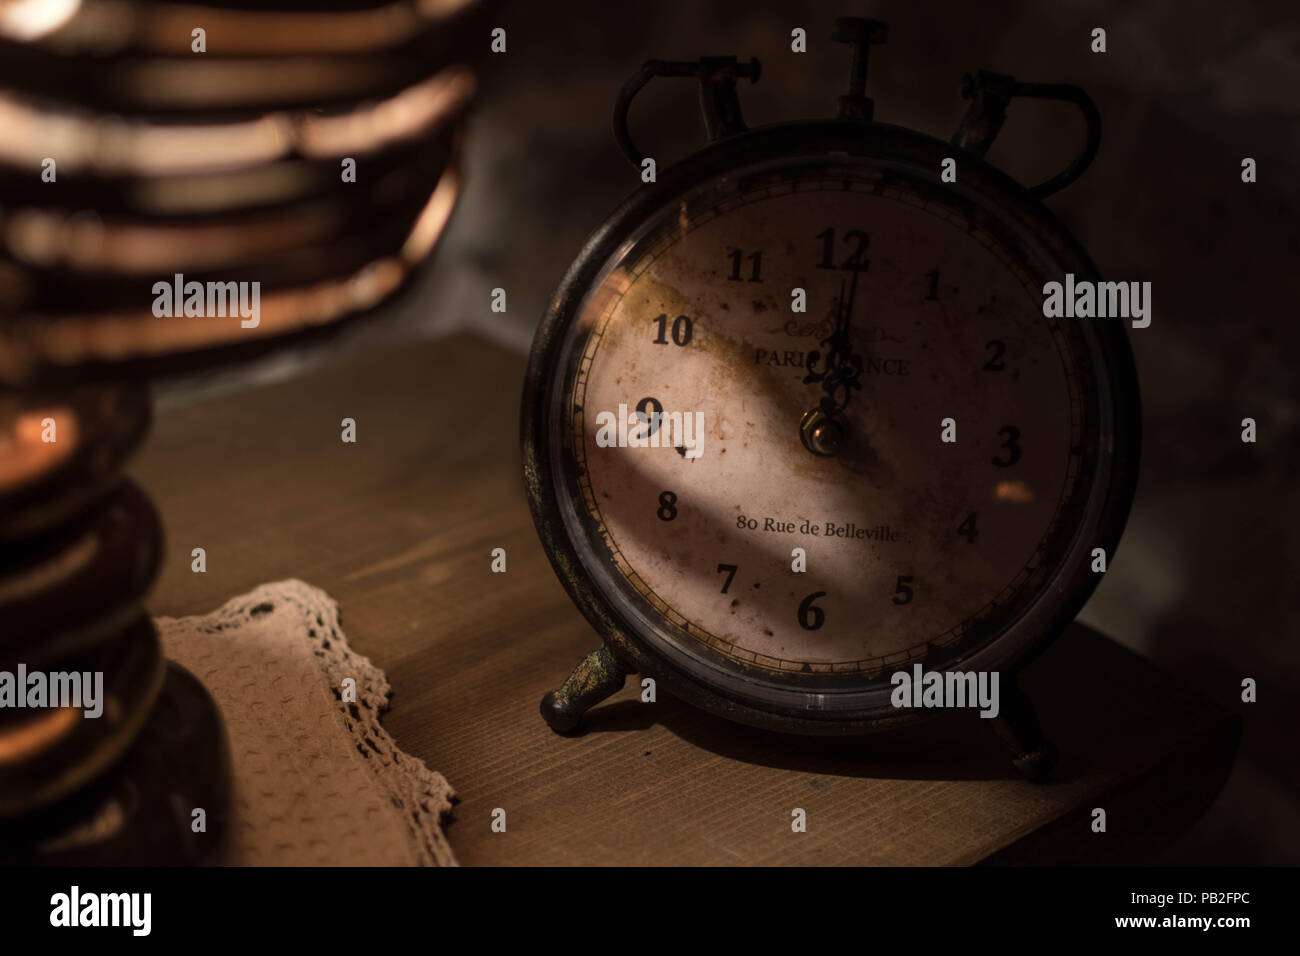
(317, 781)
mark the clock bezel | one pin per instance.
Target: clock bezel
(545, 380)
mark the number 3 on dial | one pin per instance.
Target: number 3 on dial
(1012, 445)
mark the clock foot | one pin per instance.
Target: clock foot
(596, 677)
(1017, 725)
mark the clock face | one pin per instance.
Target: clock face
(950, 478)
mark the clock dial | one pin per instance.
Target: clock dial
(913, 548)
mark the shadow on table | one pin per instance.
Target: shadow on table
(1111, 714)
(946, 748)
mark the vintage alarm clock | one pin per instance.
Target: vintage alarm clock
(772, 511)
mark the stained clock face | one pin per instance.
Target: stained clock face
(823, 430)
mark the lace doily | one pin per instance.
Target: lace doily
(317, 780)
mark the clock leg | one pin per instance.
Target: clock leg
(596, 677)
(1017, 724)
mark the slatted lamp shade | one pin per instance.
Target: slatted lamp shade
(161, 166)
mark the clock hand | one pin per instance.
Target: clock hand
(822, 429)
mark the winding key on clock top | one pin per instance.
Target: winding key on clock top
(861, 33)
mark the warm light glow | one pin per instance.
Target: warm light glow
(418, 110)
(1016, 492)
(24, 455)
(432, 219)
(27, 20)
(285, 33)
(37, 734)
(87, 243)
(113, 145)
(112, 336)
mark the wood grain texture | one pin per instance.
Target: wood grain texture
(399, 528)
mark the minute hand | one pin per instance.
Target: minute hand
(843, 368)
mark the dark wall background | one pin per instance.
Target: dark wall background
(1206, 580)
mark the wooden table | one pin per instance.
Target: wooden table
(399, 528)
